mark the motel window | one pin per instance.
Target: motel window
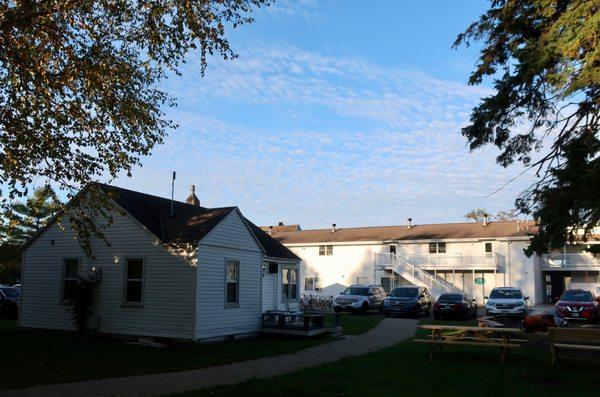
(325, 250)
(289, 280)
(312, 284)
(70, 277)
(488, 249)
(134, 280)
(232, 283)
(392, 248)
(437, 248)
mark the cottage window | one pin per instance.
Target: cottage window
(392, 248)
(232, 283)
(70, 276)
(325, 250)
(289, 280)
(312, 284)
(437, 248)
(134, 281)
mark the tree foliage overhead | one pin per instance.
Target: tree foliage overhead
(79, 82)
(544, 58)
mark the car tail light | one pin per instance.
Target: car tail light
(437, 305)
(459, 306)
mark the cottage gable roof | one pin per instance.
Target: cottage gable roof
(187, 223)
(465, 230)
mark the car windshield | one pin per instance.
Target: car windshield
(450, 298)
(11, 292)
(404, 292)
(506, 294)
(356, 291)
(579, 296)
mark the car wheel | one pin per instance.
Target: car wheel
(386, 314)
(364, 308)
(337, 309)
(419, 312)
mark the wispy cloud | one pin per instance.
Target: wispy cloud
(294, 135)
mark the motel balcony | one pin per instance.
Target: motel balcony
(443, 262)
(566, 262)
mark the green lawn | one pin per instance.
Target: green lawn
(32, 358)
(48, 357)
(405, 370)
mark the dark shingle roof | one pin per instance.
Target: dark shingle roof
(189, 222)
(417, 232)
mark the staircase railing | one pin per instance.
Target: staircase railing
(431, 281)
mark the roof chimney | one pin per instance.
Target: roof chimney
(409, 224)
(333, 229)
(192, 198)
(280, 224)
(270, 229)
(485, 219)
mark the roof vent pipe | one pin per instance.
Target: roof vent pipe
(270, 229)
(333, 227)
(409, 224)
(485, 219)
(280, 224)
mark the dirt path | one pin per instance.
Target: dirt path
(387, 333)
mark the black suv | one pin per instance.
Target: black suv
(408, 301)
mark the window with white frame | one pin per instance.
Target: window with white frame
(134, 281)
(70, 279)
(325, 250)
(437, 248)
(488, 249)
(232, 283)
(392, 248)
(289, 284)
(312, 284)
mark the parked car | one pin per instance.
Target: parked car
(9, 301)
(578, 305)
(360, 298)
(410, 300)
(455, 306)
(506, 301)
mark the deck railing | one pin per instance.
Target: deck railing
(448, 261)
(570, 261)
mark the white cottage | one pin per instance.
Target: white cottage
(188, 272)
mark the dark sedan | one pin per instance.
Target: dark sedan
(414, 301)
(577, 305)
(9, 302)
(454, 306)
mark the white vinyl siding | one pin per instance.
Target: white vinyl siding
(229, 240)
(169, 283)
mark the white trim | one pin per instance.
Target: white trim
(126, 260)
(400, 242)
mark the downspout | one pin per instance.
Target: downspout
(509, 265)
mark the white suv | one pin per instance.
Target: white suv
(506, 301)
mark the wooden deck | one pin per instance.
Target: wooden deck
(297, 324)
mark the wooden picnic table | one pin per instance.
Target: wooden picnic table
(472, 336)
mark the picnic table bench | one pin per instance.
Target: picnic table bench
(582, 339)
(471, 336)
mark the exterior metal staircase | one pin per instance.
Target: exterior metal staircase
(414, 274)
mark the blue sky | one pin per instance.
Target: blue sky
(335, 111)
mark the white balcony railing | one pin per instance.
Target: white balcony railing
(570, 261)
(449, 261)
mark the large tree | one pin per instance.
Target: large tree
(544, 59)
(79, 84)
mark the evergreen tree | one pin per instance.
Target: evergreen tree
(21, 222)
